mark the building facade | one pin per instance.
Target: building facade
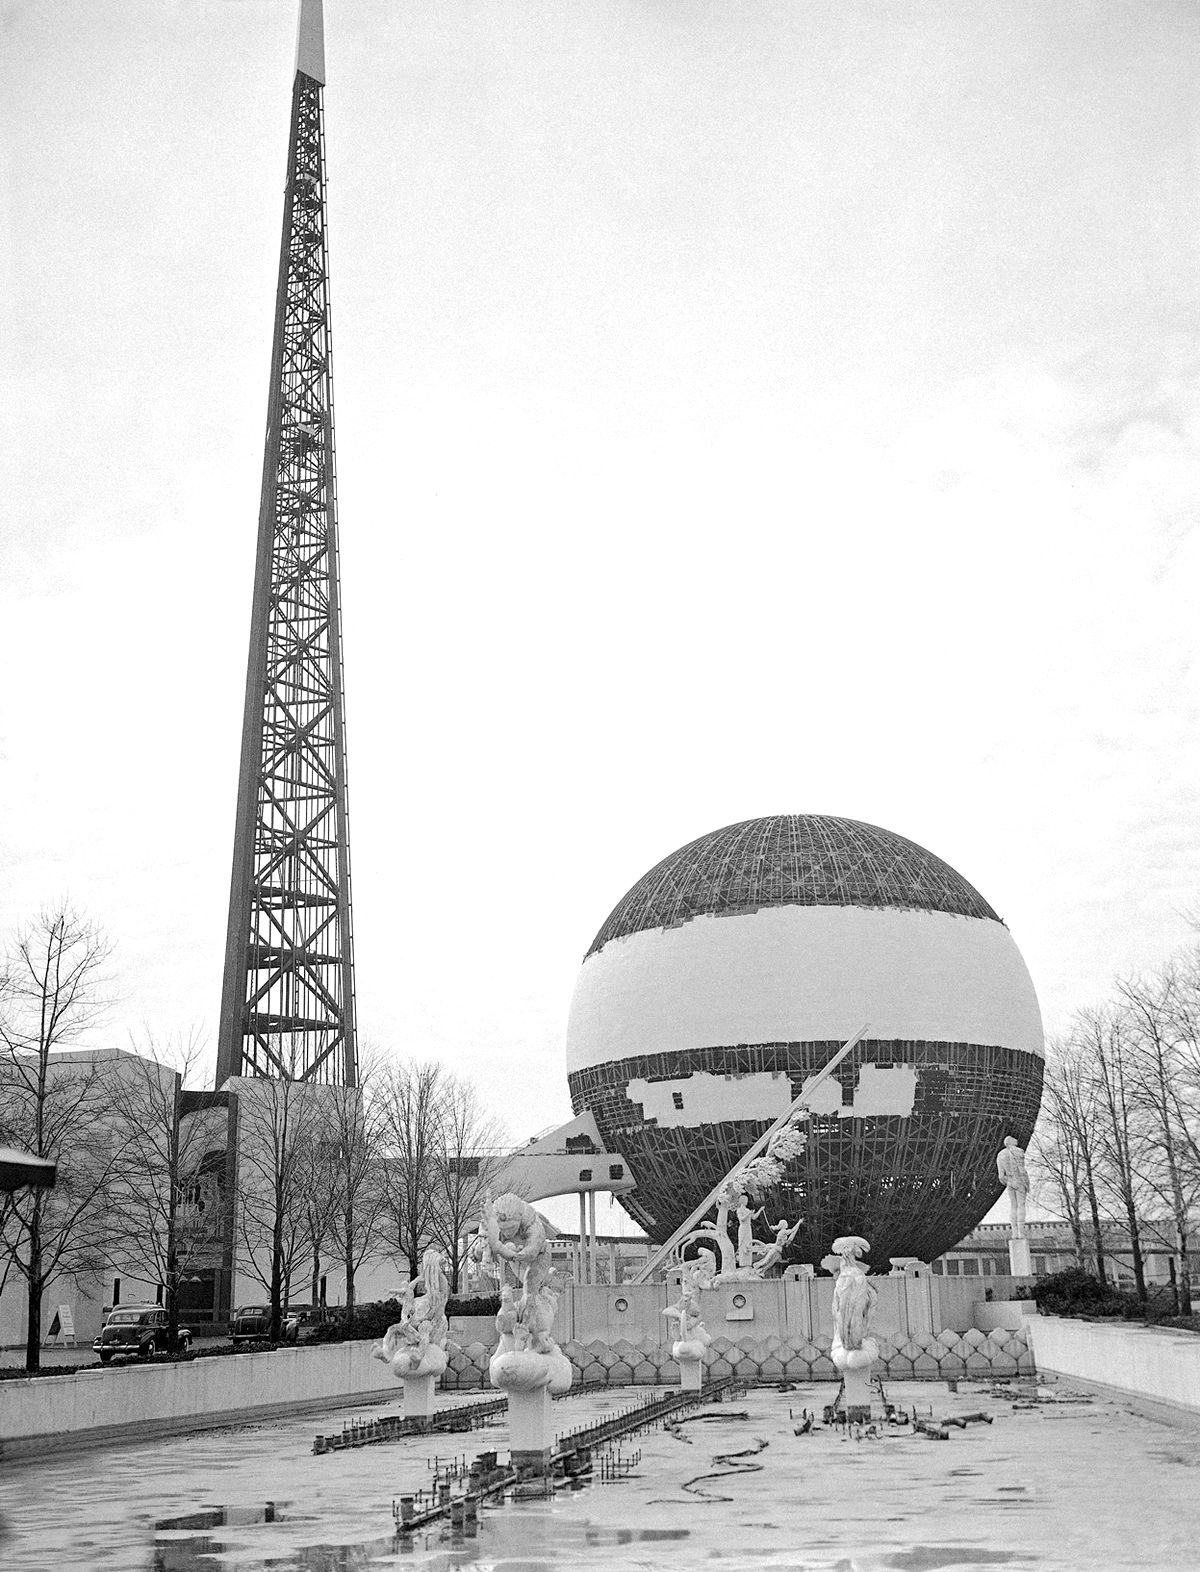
(984, 1253)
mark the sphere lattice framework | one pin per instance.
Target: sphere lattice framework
(740, 964)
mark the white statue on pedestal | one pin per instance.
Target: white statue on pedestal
(854, 1350)
(688, 1348)
(1010, 1165)
(527, 1358)
(416, 1344)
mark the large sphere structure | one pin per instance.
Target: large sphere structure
(738, 966)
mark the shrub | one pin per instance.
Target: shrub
(370, 1320)
(1077, 1293)
(19, 1372)
(1069, 1293)
(373, 1320)
(1181, 1323)
(477, 1304)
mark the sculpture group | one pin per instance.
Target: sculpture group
(527, 1357)
(528, 1364)
(416, 1344)
(513, 1250)
(855, 1299)
(749, 1258)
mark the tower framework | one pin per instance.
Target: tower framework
(287, 1003)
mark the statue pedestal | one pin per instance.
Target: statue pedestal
(418, 1396)
(691, 1375)
(688, 1354)
(1020, 1262)
(857, 1394)
(530, 1428)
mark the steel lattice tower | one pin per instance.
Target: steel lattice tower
(287, 1003)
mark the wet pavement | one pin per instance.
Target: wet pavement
(1060, 1487)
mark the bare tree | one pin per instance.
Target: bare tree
(1154, 1006)
(166, 1222)
(1103, 1040)
(410, 1097)
(1055, 1150)
(319, 1188)
(1068, 1144)
(471, 1150)
(278, 1121)
(1185, 998)
(52, 989)
(358, 1135)
(7, 1213)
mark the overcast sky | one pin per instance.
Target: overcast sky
(741, 409)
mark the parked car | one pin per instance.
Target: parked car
(140, 1331)
(252, 1324)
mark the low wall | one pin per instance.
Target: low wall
(137, 1401)
(795, 1309)
(988, 1315)
(956, 1300)
(472, 1328)
(926, 1356)
(1155, 1365)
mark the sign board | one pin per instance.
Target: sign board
(62, 1325)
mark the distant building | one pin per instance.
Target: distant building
(617, 1257)
(984, 1252)
(88, 1291)
(220, 1134)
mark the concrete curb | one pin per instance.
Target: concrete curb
(131, 1432)
(150, 1399)
(1157, 1367)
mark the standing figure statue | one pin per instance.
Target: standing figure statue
(745, 1233)
(1010, 1165)
(416, 1344)
(854, 1351)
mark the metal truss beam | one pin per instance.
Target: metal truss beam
(287, 1003)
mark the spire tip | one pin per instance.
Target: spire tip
(310, 41)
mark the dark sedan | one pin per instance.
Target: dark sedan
(252, 1324)
(139, 1332)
